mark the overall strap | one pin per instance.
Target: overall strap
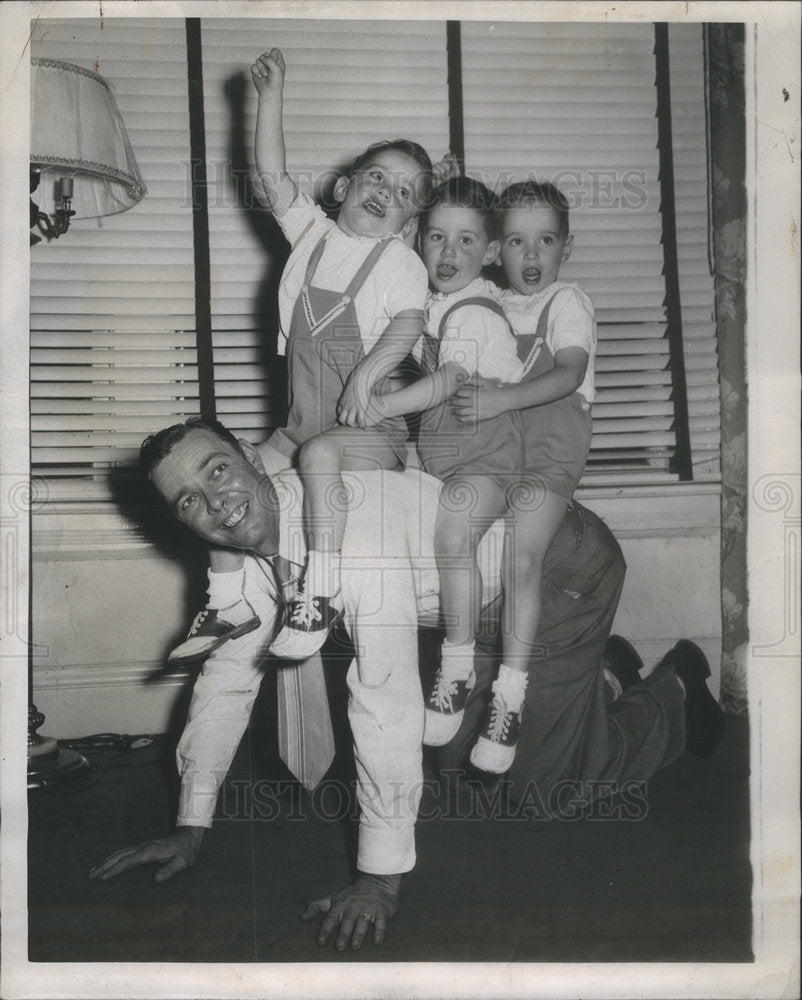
(529, 344)
(543, 319)
(474, 300)
(365, 268)
(314, 259)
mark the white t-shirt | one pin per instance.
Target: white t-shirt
(475, 338)
(572, 323)
(398, 282)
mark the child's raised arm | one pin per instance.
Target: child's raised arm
(267, 74)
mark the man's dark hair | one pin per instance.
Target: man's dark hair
(466, 193)
(535, 193)
(409, 148)
(158, 446)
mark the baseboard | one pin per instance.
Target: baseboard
(133, 698)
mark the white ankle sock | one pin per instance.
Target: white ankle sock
(456, 658)
(512, 685)
(225, 589)
(322, 577)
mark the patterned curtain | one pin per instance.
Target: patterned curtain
(725, 49)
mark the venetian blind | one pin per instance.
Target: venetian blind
(348, 84)
(576, 104)
(112, 301)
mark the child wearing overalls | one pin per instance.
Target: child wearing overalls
(555, 326)
(520, 451)
(351, 308)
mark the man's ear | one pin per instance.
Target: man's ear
(492, 252)
(340, 189)
(251, 454)
(567, 248)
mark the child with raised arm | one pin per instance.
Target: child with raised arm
(351, 308)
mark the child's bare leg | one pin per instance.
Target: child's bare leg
(533, 518)
(468, 506)
(321, 463)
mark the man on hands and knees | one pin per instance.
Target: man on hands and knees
(218, 487)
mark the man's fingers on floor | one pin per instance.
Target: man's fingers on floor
(316, 908)
(360, 930)
(378, 930)
(344, 936)
(171, 868)
(111, 862)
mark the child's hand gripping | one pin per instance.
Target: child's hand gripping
(267, 74)
(354, 401)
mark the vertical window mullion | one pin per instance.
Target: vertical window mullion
(200, 220)
(456, 121)
(682, 458)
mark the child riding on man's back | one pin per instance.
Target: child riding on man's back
(523, 455)
(351, 308)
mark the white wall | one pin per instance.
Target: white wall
(107, 605)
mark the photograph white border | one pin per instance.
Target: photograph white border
(773, 158)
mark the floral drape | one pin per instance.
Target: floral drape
(725, 48)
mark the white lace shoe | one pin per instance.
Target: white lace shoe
(310, 619)
(211, 628)
(445, 707)
(494, 750)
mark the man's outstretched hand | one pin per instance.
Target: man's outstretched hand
(370, 901)
(175, 853)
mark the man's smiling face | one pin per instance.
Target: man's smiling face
(220, 492)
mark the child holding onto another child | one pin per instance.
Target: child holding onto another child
(513, 442)
(351, 308)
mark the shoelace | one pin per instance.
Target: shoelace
(443, 694)
(200, 618)
(500, 721)
(305, 612)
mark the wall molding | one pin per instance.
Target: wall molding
(149, 673)
(99, 530)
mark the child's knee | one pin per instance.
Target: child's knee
(317, 454)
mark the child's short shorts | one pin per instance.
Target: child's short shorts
(556, 442)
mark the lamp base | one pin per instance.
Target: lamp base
(63, 765)
(48, 763)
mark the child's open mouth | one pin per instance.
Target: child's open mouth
(531, 276)
(445, 271)
(374, 208)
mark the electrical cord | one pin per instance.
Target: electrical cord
(103, 750)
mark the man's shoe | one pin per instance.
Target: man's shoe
(622, 661)
(704, 720)
(211, 628)
(445, 707)
(494, 750)
(309, 622)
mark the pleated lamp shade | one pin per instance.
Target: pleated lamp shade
(77, 132)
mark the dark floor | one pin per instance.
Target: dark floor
(671, 883)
